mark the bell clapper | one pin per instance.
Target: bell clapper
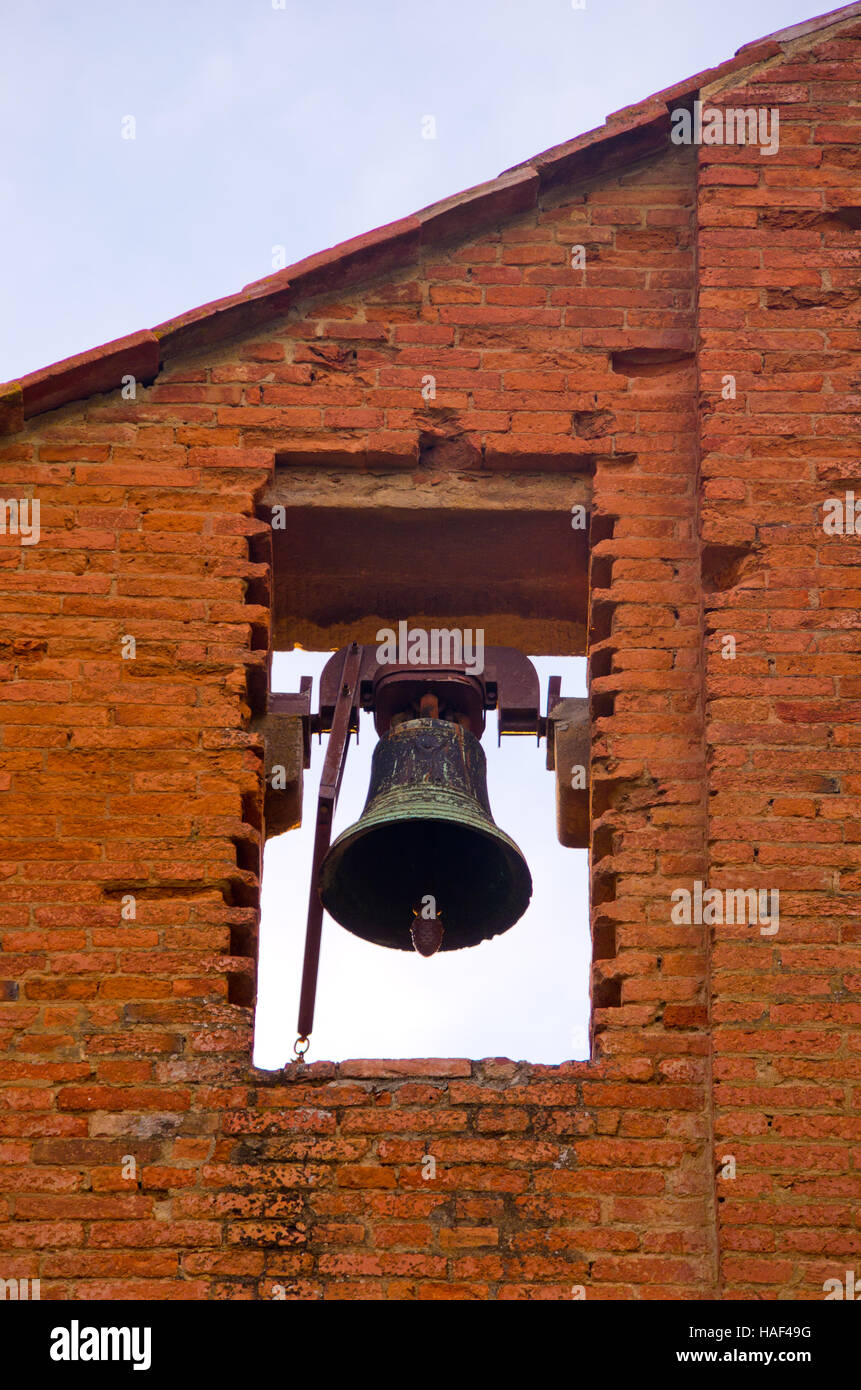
(427, 931)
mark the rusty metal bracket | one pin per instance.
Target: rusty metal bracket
(508, 683)
(344, 720)
(286, 731)
(568, 754)
(297, 706)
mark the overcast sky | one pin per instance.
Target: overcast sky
(264, 132)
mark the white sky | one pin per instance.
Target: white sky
(259, 128)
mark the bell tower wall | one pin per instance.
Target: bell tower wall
(421, 426)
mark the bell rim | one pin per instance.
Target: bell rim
(521, 875)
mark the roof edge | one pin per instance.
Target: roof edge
(626, 136)
(86, 373)
(807, 26)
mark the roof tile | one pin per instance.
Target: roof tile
(85, 374)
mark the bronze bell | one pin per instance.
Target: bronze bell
(426, 836)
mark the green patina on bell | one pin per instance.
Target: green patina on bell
(426, 830)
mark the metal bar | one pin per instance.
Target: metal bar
(554, 695)
(330, 785)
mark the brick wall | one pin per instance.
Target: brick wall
(132, 1038)
(779, 309)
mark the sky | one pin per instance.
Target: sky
(292, 128)
(157, 156)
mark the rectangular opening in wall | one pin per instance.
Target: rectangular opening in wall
(493, 555)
